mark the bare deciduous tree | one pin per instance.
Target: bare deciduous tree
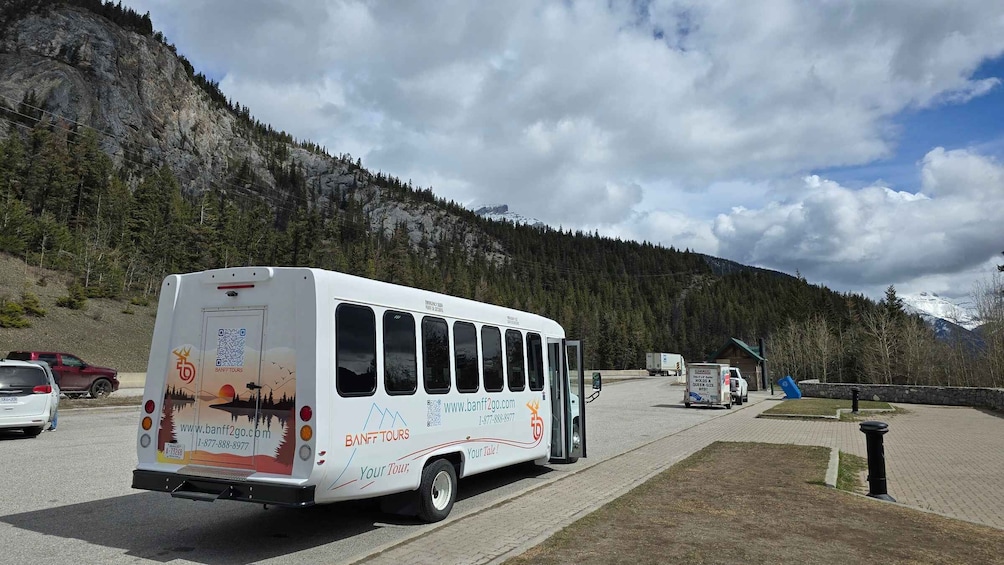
(878, 349)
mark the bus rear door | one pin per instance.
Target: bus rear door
(229, 393)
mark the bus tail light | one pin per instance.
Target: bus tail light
(149, 406)
(147, 423)
(306, 432)
(306, 413)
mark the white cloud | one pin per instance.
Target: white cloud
(877, 236)
(649, 120)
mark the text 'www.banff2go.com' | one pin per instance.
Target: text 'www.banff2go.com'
(483, 404)
(226, 431)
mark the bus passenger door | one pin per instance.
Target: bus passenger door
(566, 403)
(576, 378)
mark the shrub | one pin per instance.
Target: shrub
(139, 301)
(12, 315)
(76, 299)
(31, 305)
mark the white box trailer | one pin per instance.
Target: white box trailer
(708, 385)
(665, 364)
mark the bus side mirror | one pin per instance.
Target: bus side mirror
(597, 381)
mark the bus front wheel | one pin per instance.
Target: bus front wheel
(438, 491)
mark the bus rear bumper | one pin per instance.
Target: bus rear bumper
(210, 489)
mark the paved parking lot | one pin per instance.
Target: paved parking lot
(67, 497)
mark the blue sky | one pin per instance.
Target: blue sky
(977, 123)
(857, 142)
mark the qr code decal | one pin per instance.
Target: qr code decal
(434, 416)
(230, 347)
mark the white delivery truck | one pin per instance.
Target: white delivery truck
(708, 385)
(665, 364)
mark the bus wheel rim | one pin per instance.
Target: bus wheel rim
(442, 490)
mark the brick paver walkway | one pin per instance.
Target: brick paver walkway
(944, 459)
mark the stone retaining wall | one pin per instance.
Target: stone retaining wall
(992, 398)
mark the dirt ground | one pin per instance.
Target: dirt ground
(783, 514)
(101, 334)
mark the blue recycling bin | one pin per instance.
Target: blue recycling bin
(789, 387)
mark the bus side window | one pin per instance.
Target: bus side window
(435, 355)
(465, 351)
(514, 360)
(535, 361)
(491, 353)
(355, 350)
(400, 365)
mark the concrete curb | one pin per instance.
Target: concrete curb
(832, 467)
(825, 417)
(132, 380)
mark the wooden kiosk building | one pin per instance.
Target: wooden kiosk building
(749, 359)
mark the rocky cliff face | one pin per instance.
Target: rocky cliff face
(137, 92)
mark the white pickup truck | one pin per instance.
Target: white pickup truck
(738, 386)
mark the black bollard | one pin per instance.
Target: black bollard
(854, 399)
(876, 459)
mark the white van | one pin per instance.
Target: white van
(296, 386)
(29, 396)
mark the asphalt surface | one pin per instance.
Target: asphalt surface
(66, 495)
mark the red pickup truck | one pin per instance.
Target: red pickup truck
(73, 375)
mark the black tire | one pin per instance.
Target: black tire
(101, 388)
(438, 491)
(576, 441)
(31, 432)
(686, 404)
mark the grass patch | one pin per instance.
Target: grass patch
(822, 406)
(71, 403)
(849, 472)
(777, 516)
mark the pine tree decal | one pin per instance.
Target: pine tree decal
(166, 432)
(284, 454)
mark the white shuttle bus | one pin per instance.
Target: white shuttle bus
(296, 386)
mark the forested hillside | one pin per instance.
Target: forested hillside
(195, 182)
(67, 206)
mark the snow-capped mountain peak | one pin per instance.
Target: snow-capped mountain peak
(500, 212)
(933, 305)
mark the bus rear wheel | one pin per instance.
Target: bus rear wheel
(438, 491)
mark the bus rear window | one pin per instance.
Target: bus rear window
(400, 365)
(355, 350)
(535, 361)
(435, 355)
